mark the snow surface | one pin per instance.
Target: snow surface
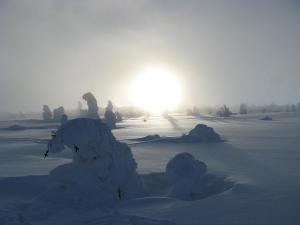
(260, 157)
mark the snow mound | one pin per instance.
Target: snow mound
(103, 170)
(186, 174)
(267, 118)
(201, 133)
(189, 180)
(16, 127)
(148, 138)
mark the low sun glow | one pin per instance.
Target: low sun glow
(155, 90)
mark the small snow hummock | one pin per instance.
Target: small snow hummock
(103, 170)
(201, 133)
(186, 174)
(15, 127)
(267, 118)
(148, 138)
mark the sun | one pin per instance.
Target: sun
(155, 90)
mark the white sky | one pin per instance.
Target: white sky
(222, 51)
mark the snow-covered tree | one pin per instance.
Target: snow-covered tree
(101, 168)
(92, 105)
(58, 113)
(47, 114)
(224, 111)
(243, 109)
(64, 119)
(109, 116)
(119, 117)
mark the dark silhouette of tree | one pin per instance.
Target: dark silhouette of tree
(58, 113)
(243, 109)
(64, 118)
(119, 117)
(109, 116)
(224, 111)
(47, 114)
(92, 105)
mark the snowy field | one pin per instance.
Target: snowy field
(261, 158)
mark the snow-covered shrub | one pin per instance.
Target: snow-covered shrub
(224, 111)
(186, 174)
(103, 170)
(201, 133)
(189, 180)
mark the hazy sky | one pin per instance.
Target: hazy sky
(222, 51)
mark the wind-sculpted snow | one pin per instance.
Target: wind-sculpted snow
(103, 171)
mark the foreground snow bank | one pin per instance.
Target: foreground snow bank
(103, 170)
(15, 216)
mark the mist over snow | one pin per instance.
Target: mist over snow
(222, 51)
